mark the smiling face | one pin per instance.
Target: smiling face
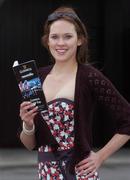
(63, 41)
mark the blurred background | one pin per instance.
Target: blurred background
(21, 28)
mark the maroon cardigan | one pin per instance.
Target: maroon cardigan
(91, 88)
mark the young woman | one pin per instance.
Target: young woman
(72, 87)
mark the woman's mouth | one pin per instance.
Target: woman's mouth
(61, 51)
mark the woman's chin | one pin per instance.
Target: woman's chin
(60, 60)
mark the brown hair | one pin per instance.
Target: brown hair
(68, 14)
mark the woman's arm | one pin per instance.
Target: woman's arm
(90, 165)
(105, 93)
(28, 111)
(117, 141)
(28, 140)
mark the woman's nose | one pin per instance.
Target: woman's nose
(60, 41)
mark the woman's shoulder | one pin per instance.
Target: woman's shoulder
(90, 69)
(92, 74)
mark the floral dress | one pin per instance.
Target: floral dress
(60, 119)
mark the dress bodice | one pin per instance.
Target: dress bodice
(60, 119)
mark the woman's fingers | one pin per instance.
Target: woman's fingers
(29, 114)
(87, 171)
(91, 173)
(28, 111)
(25, 106)
(84, 161)
(89, 165)
(25, 103)
(90, 170)
(85, 166)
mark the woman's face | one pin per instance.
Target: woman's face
(63, 41)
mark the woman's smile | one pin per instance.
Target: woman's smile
(61, 51)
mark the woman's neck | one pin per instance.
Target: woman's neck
(61, 68)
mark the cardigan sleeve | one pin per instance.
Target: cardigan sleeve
(107, 95)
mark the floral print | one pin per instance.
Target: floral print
(60, 120)
(50, 171)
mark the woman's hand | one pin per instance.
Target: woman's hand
(28, 111)
(89, 165)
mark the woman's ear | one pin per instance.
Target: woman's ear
(79, 42)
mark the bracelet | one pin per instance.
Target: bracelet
(28, 132)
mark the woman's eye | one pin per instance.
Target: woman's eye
(53, 37)
(68, 37)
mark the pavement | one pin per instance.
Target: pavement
(21, 164)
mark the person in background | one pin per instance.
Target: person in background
(72, 87)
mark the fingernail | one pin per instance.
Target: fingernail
(28, 102)
(34, 104)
